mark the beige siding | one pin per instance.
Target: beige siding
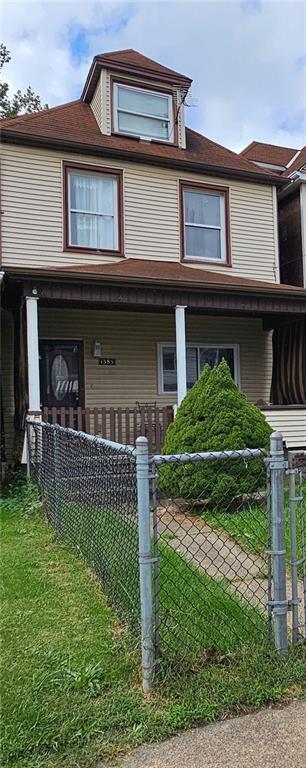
(292, 424)
(32, 222)
(96, 103)
(7, 372)
(132, 338)
(106, 120)
(181, 120)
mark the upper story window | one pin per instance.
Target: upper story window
(93, 199)
(205, 217)
(144, 113)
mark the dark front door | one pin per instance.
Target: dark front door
(61, 373)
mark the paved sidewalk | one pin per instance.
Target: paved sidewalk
(271, 738)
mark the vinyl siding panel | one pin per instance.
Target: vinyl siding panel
(292, 424)
(96, 102)
(32, 223)
(132, 338)
(7, 374)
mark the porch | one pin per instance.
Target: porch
(141, 346)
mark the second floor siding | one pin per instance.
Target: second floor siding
(32, 220)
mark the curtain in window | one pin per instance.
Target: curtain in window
(143, 102)
(289, 364)
(93, 209)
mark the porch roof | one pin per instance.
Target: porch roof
(176, 273)
(158, 286)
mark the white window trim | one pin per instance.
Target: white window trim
(221, 227)
(113, 216)
(169, 119)
(198, 345)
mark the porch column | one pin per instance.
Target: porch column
(180, 335)
(33, 354)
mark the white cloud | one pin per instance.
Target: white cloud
(247, 57)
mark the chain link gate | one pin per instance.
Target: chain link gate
(198, 574)
(297, 509)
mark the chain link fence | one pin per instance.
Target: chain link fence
(88, 489)
(212, 537)
(198, 552)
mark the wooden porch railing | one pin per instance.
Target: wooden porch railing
(123, 425)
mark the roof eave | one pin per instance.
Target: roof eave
(133, 69)
(68, 274)
(16, 137)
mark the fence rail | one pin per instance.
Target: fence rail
(201, 553)
(122, 425)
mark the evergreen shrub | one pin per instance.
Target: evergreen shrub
(215, 416)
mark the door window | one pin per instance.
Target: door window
(61, 373)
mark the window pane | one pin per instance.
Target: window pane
(203, 243)
(143, 102)
(95, 194)
(214, 355)
(169, 368)
(93, 231)
(192, 366)
(201, 208)
(143, 126)
(59, 377)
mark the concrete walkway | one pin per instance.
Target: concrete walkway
(218, 554)
(271, 738)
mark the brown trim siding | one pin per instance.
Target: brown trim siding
(150, 298)
(67, 166)
(145, 86)
(208, 188)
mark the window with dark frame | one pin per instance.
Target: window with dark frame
(196, 357)
(93, 203)
(205, 214)
(143, 112)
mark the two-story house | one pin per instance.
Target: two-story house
(291, 165)
(134, 251)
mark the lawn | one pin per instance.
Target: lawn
(197, 613)
(248, 525)
(71, 691)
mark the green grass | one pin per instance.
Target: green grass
(70, 672)
(197, 612)
(248, 526)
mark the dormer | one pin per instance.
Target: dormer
(133, 96)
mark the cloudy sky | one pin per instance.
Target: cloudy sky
(247, 57)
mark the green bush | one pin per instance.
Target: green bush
(215, 416)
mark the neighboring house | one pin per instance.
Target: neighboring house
(290, 164)
(125, 234)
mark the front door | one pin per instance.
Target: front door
(61, 373)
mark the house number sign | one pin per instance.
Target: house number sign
(107, 361)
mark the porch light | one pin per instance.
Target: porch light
(97, 349)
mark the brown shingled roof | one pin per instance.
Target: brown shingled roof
(130, 57)
(298, 164)
(74, 125)
(268, 153)
(172, 272)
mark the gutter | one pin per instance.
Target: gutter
(293, 183)
(16, 137)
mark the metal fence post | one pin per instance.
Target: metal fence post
(145, 561)
(293, 549)
(28, 444)
(279, 602)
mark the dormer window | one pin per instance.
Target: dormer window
(144, 113)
